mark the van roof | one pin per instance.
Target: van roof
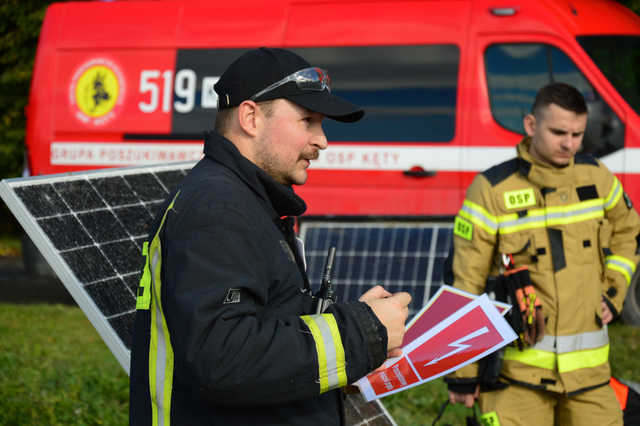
(194, 24)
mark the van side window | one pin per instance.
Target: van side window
(515, 72)
(408, 92)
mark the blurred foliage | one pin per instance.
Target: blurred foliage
(20, 22)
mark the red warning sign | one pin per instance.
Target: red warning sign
(471, 332)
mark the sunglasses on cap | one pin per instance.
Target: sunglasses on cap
(312, 78)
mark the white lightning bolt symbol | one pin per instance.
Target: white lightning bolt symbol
(459, 345)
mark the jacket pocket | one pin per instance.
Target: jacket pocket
(521, 246)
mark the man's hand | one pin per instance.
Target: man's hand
(607, 316)
(392, 310)
(464, 398)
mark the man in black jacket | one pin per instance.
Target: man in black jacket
(226, 332)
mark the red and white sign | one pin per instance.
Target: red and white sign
(471, 332)
(447, 299)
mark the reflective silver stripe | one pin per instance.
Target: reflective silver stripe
(575, 342)
(330, 351)
(521, 221)
(473, 213)
(614, 195)
(543, 219)
(578, 212)
(548, 343)
(621, 264)
(331, 358)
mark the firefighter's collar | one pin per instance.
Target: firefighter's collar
(282, 200)
(542, 174)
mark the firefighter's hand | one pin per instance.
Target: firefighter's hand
(607, 315)
(392, 310)
(464, 398)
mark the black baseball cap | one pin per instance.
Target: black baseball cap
(258, 69)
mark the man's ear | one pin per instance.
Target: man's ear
(529, 123)
(248, 119)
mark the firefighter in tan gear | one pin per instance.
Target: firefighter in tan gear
(562, 218)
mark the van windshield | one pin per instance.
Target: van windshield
(618, 58)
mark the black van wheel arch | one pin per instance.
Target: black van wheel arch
(631, 308)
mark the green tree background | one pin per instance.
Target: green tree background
(20, 22)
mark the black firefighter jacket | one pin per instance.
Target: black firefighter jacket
(224, 331)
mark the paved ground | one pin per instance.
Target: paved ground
(16, 286)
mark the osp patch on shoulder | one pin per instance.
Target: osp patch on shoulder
(463, 228)
(233, 296)
(519, 198)
(627, 200)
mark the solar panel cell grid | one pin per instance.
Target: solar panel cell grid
(147, 187)
(358, 412)
(122, 325)
(41, 200)
(65, 232)
(79, 195)
(135, 219)
(400, 256)
(88, 264)
(110, 295)
(97, 222)
(102, 226)
(124, 256)
(115, 191)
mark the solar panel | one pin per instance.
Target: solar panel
(90, 227)
(400, 255)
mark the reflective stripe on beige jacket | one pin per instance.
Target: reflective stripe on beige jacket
(577, 231)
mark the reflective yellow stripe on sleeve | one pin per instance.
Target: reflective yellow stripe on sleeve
(479, 216)
(621, 264)
(160, 349)
(614, 195)
(331, 363)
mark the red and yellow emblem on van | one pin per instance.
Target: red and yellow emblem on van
(96, 91)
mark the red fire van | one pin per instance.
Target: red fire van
(445, 83)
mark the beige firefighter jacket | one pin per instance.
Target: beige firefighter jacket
(576, 230)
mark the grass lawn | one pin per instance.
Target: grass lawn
(10, 246)
(55, 370)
